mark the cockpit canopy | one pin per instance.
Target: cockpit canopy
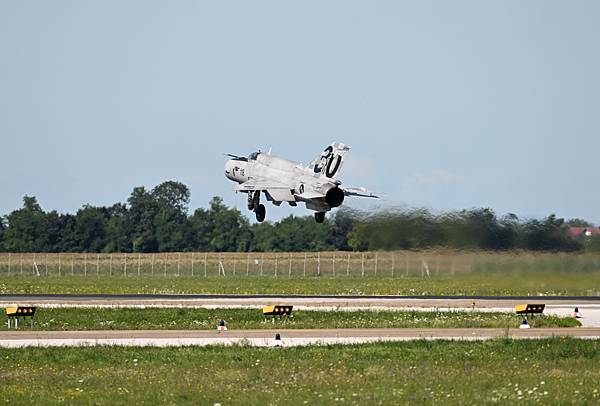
(253, 156)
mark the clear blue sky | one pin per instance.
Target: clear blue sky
(446, 104)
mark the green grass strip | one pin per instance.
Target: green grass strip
(476, 283)
(549, 371)
(203, 319)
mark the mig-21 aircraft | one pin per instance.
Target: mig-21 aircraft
(282, 180)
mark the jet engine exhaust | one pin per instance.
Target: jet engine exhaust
(334, 197)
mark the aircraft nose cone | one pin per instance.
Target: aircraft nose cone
(229, 170)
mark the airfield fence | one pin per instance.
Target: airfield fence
(296, 264)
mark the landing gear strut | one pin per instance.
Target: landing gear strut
(253, 199)
(319, 217)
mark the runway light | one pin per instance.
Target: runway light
(278, 342)
(277, 310)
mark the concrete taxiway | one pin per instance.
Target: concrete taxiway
(265, 338)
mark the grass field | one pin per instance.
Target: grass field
(473, 283)
(203, 319)
(552, 371)
(395, 273)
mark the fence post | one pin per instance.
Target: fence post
(9, 263)
(72, 264)
(362, 273)
(59, 264)
(110, 265)
(393, 262)
(166, 256)
(85, 264)
(262, 260)
(304, 269)
(348, 265)
(319, 263)
(139, 262)
(290, 269)
(333, 264)
(35, 267)
(178, 263)
(193, 263)
(33, 264)
(46, 264)
(125, 265)
(247, 263)
(21, 264)
(276, 260)
(406, 259)
(376, 258)
(97, 265)
(234, 263)
(424, 267)
(152, 264)
(205, 264)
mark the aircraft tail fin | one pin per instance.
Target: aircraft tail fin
(330, 161)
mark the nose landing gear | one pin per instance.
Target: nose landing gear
(253, 199)
(254, 205)
(250, 201)
(260, 212)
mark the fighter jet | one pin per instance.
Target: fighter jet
(282, 180)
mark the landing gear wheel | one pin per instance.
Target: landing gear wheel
(260, 212)
(319, 217)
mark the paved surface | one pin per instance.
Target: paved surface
(315, 301)
(196, 297)
(265, 338)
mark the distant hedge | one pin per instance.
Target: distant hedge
(157, 220)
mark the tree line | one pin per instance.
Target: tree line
(158, 220)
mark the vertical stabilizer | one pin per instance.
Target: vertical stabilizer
(330, 161)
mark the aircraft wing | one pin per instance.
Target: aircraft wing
(261, 184)
(358, 191)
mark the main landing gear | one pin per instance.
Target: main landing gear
(260, 212)
(254, 205)
(319, 217)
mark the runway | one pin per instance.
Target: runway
(265, 338)
(472, 302)
(196, 297)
